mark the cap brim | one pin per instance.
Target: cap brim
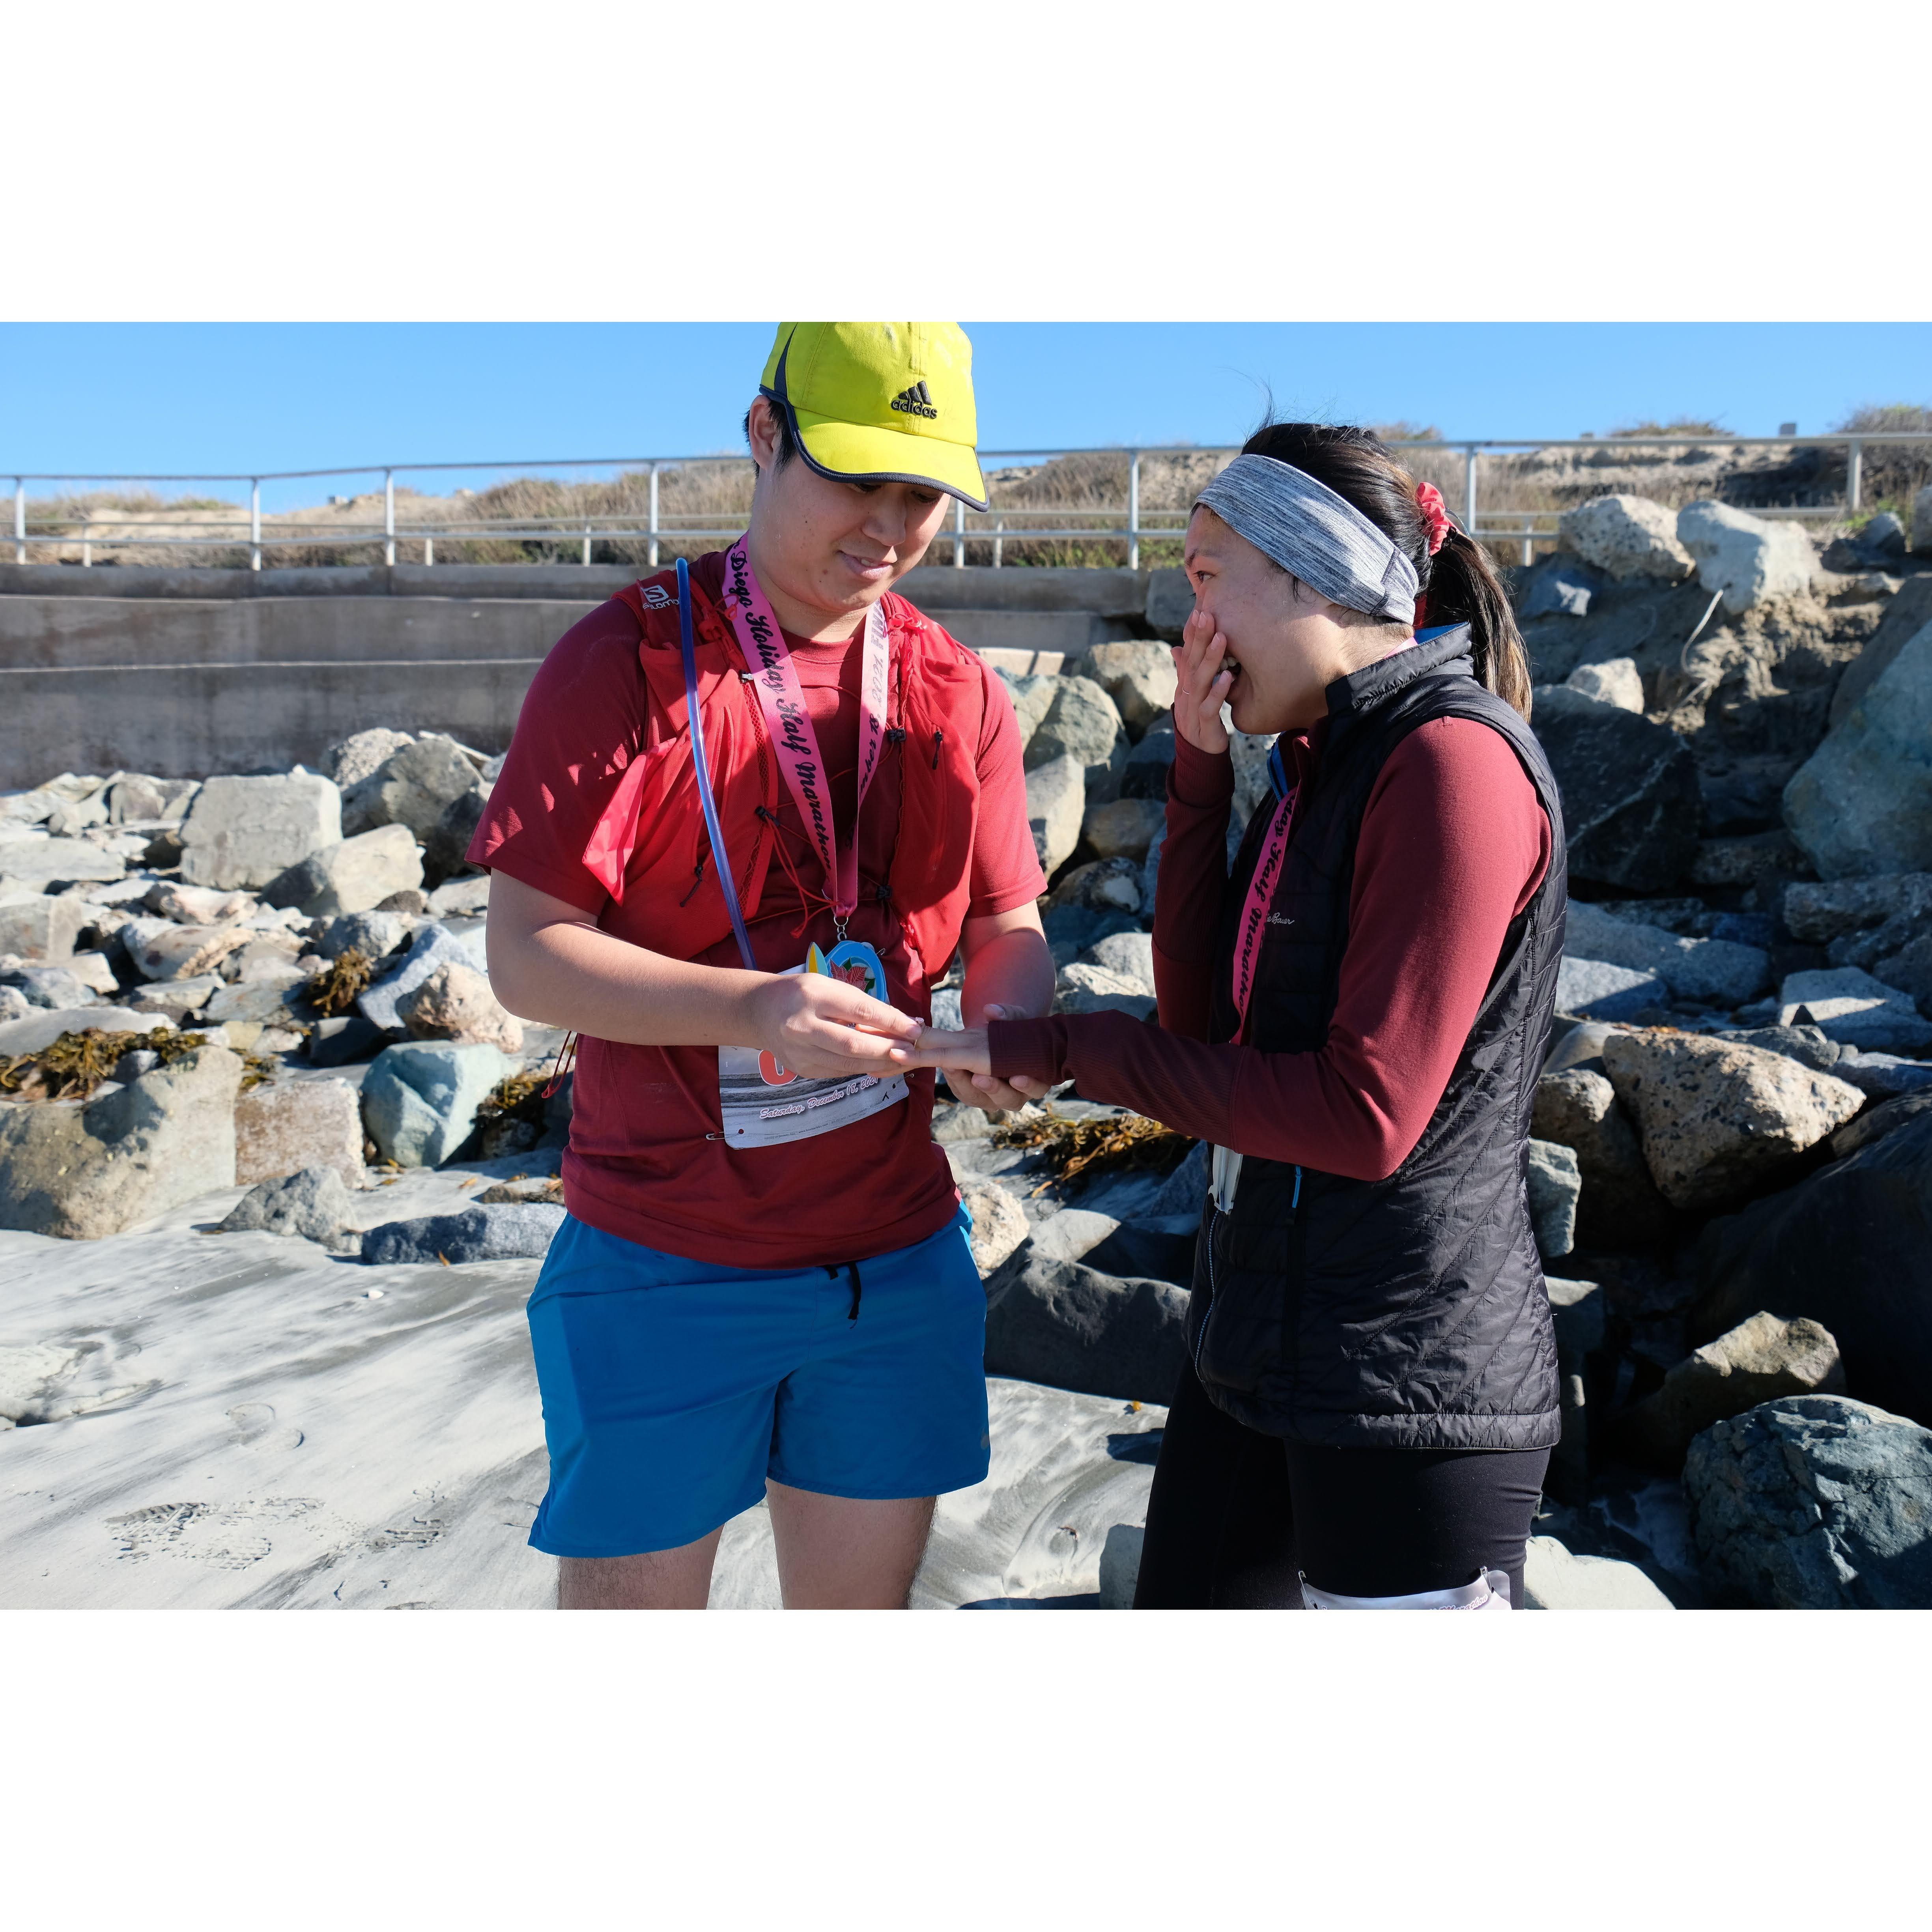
(859, 453)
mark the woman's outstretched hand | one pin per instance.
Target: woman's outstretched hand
(1204, 684)
(966, 1059)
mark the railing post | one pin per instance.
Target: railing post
(959, 534)
(654, 516)
(1469, 491)
(586, 543)
(429, 551)
(1854, 465)
(19, 520)
(998, 543)
(389, 518)
(254, 523)
(1133, 509)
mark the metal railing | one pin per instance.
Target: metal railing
(995, 527)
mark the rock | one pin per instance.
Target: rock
(1123, 829)
(355, 875)
(313, 1204)
(33, 1031)
(344, 1041)
(14, 1004)
(1186, 1189)
(1554, 1578)
(1815, 1502)
(1855, 1009)
(1862, 803)
(412, 787)
(1883, 538)
(410, 900)
(94, 972)
(1081, 723)
(1884, 913)
(545, 1189)
(1555, 1184)
(1805, 1044)
(1627, 537)
(1084, 988)
(1056, 795)
(502, 1231)
(1576, 1309)
(1106, 885)
(1847, 1247)
(999, 1223)
(160, 950)
(1129, 954)
(468, 897)
(1562, 589)
(27, 807)
(52, 987)
(1746, 559)
(1604, 991)
(446, 850)
(352, 761)
(1139, 677)
(42, 928)
(455, 1002)
(1170, 603)
(1144, 775)
(283, 1126)
(1875, 1123)
(247, 832)
(39, 861)
(134, 798)
(1881, 1076)
(1073, 1328)
(269, 1000)
(419, 1100)
(1716, 970)
(1031, 696)
(197, 905)
(1761, 1359)
(1620, 1206)
(84, 1171)
(1910, 970)
(1717, 1121)
(1615, 681)
(374, 934)
(1630, 791)
(1743, 862)
(433, 946)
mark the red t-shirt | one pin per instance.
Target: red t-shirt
(641, 1163)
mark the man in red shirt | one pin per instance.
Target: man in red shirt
(750, 811)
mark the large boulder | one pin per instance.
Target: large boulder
(38, 861)
(43, 928)
(247, 832)
(1743, 558)
(83, 1171)
(1144, 775)
(1615, 681)
(1031, 696)
(502, 1230)
(374, 934)
(284, 1126)
(1716, 1120)
(1056, 801)
(999, 1222)
(160, 950)
(354, 875)
(1631, 795)
(350, 762)
(313, 1205)
(1719, 971)
(1619, 1206)
(1847, 1246)
(419, 1100)
(1855, 1009)
(455, 1002)
(1139, 677)
(1861, 920)
(1862, 803)
(1130, 954)
(433, 947)
(1105, 885)
(413, 787)
(1766, 1356)
(1170, 602)
(1627, 537)
(1123, 827)
(1555, 1184)
(446, 849)
(1082, 724)
(1082, 988)
(1599, 990)
(1815, 1502)
(1073, 1326)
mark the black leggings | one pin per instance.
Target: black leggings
(1234, 1514)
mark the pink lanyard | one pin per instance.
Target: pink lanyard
(789, 724)
(1254, 913)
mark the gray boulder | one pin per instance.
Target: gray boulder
(84, 1170)
(1743, 861)
(38, 861)
(295, 1126)
(35, 1030)
(1056, 799)
(412, 787)
(1815, 1502)
(1144, 775)
(1627, 537)
(1862, 803)
(1619, 1207)
(160, 950)
(503, 1231)
(42, 929)
(468, 897)
(1072, 1327)
(1615, 681)
(419, 1100)
(1910, 970)
(1139, 677)
(1602, 991)
(1563, 588)
(1031, 696)
(1855, 1009)
(1186, 1189)
(1555, 1184)
(1762, 1358)
(374, 934)
(1105, 885)
(1170, 603)
(1129, 954)
(352, 761)
(1123, 827)
(313, 1204)
(1875, 1123)
(355, 875)
(52, 987)
(1082, 724)
(246, 832)
(446, 849)
(1631, 795)
(1745, 560)
(1717, 1121)
(1860, 921)
(433, 946)
(1716, 970)
(1083, 988)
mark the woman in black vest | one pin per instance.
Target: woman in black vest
(1355, 1019)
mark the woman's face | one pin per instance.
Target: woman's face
(1286, 642)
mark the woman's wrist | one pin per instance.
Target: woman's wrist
(1027, 1049)
(1201, 778)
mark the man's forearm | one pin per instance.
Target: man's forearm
(1013, 969)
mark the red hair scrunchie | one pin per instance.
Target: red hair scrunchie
(1435, 514)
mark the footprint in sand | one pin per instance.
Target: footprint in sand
(255, 1428)
(226, 1536)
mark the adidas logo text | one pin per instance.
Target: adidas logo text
(916, 401)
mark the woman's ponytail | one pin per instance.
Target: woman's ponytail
(1462, 588)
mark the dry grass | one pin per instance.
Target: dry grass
(75, 1065)
(1079, 1149)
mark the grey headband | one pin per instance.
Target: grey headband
(1314, 535)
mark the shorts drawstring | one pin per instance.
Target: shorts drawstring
(858, 1287)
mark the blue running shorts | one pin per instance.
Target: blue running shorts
(672, 1388)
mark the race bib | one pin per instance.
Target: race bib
(763, 1103)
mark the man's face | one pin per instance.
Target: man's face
(833, 548)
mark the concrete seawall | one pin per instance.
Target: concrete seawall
(180, 673)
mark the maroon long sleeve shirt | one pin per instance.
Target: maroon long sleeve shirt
(1454, 843)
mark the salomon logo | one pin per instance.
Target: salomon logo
(657, 596)
(915, 401)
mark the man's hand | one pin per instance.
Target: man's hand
(966, 1059)
(826, 1030)
(1204, 685)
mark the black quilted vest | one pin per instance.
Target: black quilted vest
(1409, 1313)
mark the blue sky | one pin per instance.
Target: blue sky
(117, 399)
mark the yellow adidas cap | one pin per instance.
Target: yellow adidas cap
(881, 402)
